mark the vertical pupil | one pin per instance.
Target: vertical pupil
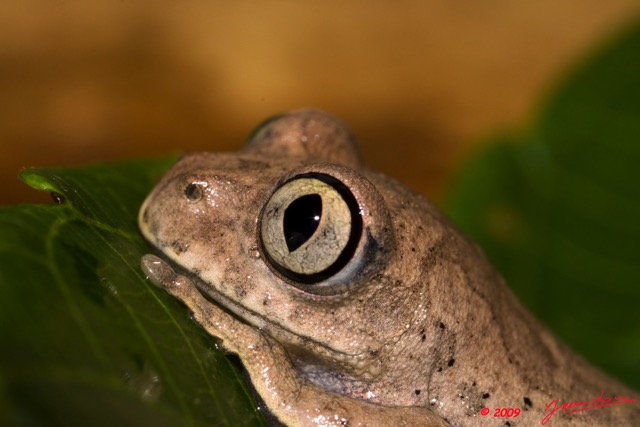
(301, 220)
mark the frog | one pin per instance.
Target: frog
(350, 299)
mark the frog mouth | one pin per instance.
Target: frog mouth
(301, 347)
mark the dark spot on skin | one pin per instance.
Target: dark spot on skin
(374, 352)
(417, 392)
(413, 249)
(440, 369)
(510, 361)
(424, 335)
(486, 395)
(398, 282)
(441, 325)
(528, 402)
(473, 384)
(451, 362)
(58, 198)
(178, 247)
(240, 292)
(508, 424)
(265, 302)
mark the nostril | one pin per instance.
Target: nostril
(193, 192)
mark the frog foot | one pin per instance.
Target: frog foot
(214, 320)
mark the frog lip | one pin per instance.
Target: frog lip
(283, 335)
(286, 337)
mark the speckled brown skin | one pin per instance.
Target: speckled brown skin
(416, 330)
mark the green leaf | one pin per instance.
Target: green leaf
(557, 208)
(86, 340)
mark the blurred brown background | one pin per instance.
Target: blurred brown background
(417, 81)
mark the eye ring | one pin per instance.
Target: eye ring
(310, 228)
(193, 192)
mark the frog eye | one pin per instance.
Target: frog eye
(193, 192)
(310, 227)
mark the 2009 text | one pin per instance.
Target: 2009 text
(501, 412)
